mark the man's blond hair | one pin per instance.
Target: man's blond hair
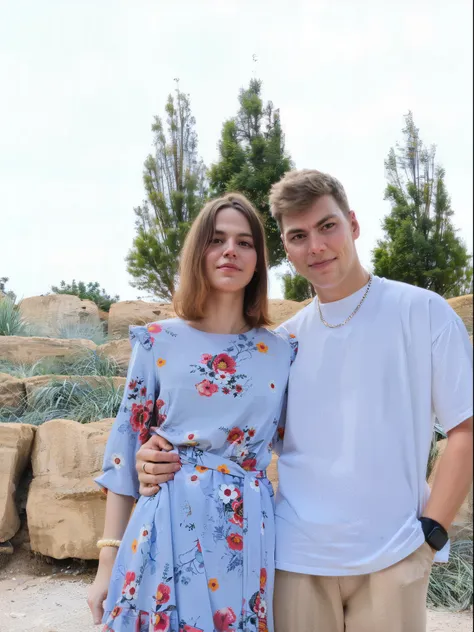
(297, 190)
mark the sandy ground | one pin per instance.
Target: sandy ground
(56, 603)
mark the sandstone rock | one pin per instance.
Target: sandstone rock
(126, 313)
(28, 350)
(119, 350)
(462, 305)
(12, 392)
(32, 384)
(65, 508)
(15, 447)
(54, 310)
(281, 310)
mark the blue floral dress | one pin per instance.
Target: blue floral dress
(199, 555)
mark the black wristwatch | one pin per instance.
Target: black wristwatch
(435, 534)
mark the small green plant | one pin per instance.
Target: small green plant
(88, 363)
(83, 331)
(69, 400)
(91, 291)
(11, 321)
(450, 586)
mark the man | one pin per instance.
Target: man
(378, 361)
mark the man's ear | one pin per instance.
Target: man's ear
(355, 227)
(284, 246)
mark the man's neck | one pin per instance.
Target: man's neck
(224, 314)
(353, 282)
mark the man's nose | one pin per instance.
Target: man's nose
(316, 243)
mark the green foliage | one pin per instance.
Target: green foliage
(90, 291)
(174, 180)
(11, 321)
(252, 157)
(421, 246)
(296, 287)
(451, 586)
(89, 363)
(69, 400)
(3, 290)
(82, 331)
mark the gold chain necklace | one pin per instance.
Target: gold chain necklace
(324, 321)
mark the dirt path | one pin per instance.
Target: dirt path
(57, 604)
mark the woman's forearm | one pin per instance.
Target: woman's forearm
(453, 476)
(117, 515)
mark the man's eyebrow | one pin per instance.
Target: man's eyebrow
(222, 232)
(322, 221)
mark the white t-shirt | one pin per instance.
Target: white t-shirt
(362, 401)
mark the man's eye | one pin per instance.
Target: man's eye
(329, 225)
(297, 237)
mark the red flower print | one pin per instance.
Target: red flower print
(199, 547)
(235, 436)
(249, 465)
(238, 509)
(161, 622)
(223, 363)
(281, 433)
(263, 579)
(133, 385)
(154, 328)
(272, 385)
(226, 390)
(159, 403)
(205, 358)
(143, 391)
(238, 388)
(163, 593)
(190, 628)
(223, 619)
(207, 388)
(251, 432)
(139, 417)
(115, 612)
(144, 435)
(129, 578)
(235, 542)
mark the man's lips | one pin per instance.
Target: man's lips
(322, 264)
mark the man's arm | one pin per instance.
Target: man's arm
(155, 465)
(453, 476)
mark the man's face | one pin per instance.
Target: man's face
(320, 244)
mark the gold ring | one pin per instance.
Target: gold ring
(143, 468)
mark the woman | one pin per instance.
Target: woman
(198, 556)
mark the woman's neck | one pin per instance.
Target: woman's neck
(224, 314)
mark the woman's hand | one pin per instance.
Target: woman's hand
(155, 464)
(97, 593)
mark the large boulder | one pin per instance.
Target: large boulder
(65, 508)
(119, 350)
(19, 349)
(462, 305)
(126, 313)
(12, 392)
(15, 447)
(50, 312)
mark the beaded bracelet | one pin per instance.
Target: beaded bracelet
(114, 543)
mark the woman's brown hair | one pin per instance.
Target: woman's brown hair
(190, 298)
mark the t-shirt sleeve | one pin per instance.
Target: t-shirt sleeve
(452, 375)
(131, 427)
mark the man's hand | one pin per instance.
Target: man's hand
(155, 464)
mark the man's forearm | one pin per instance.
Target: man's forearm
(453, 476)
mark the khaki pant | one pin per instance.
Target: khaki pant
(391, 600)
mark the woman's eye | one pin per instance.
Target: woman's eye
(246, 244)
(216, 240)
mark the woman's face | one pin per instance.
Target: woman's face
(231, 258)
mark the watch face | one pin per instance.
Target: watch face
(437, 539)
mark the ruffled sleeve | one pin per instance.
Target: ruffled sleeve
(131, 427)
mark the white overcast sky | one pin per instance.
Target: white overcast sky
(81, 80)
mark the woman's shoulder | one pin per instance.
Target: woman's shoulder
(156, 332)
